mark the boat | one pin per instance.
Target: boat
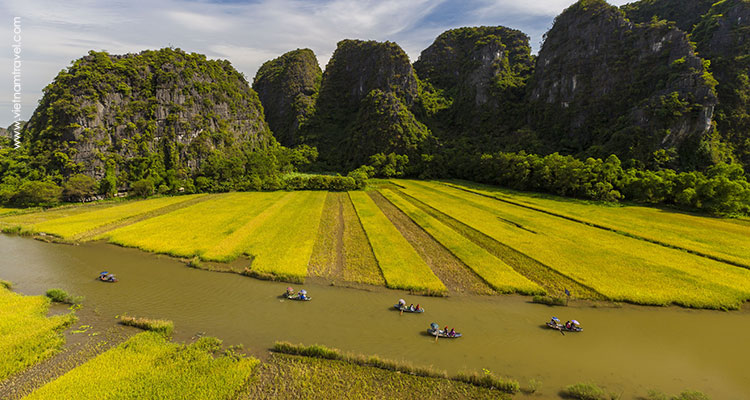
(105, 276)
(407, 309)
(434, 330)
(307, 298)
(442, 334)
(574, 326)
(289, 294)
(401, 306)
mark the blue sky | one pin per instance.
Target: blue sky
(247, 33)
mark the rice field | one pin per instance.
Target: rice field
(499, 275)
(430, 237)
(27, 219)
(4, 210)
(200, 228)
(149, 366)
(282, 247)
(27, 335)
(716, 237)
(401, 265)
(619, 267)
(73, 226)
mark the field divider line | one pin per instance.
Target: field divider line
(550, 269)
(102, 229)
(602, 227)
(468, 269)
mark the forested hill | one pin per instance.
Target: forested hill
(647, 102)
(139, 114)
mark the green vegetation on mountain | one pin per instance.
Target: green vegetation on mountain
(686, 14)
(155, 113)
(365, 106)
(723, 37)
(603, 85)
(661, 86)
(288, 86)
(480, 74)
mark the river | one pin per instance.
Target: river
(627, 349)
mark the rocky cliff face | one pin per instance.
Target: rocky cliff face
(723, 37)
(603, 84)
(482, 73)
(359, 75)
(287, 87)
(161, 110)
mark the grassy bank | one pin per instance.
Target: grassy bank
(316, 378)
(27, 335)
(486, 380)
(148, 366)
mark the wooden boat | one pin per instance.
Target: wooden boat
(295, 297)
(442, 334)
(561, 327)
(107, 277)
(407, 309)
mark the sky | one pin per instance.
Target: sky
(53, 33)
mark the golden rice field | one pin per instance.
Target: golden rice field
(401, 265)
(27, 219)
(27, 335)
(4, 210)
(499, 275)
(74, 225)
(514, 242)
(717, 237)
(619, 267)
(200, 228)
(149, 366)
(282, 247)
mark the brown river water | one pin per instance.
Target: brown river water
(629, 349)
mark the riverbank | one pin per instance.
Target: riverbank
(502, 334)
(431, 238)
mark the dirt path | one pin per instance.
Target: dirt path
(90, 336)
(456, 276)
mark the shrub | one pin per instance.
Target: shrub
(162, 326)
(79, 187)
(584, 391)
(61, 296)
(548, 300)
(6, 284)
(488, 380)
(143, 187)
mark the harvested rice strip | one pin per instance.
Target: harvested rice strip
(401, 265)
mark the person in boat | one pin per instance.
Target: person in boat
(302, 295)
(553, 321)
(401, 304)
(411, 307)
(417, 308)
(445, 331)
(289, 292)
(568, 325)
(452, 333)
(111, 277)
